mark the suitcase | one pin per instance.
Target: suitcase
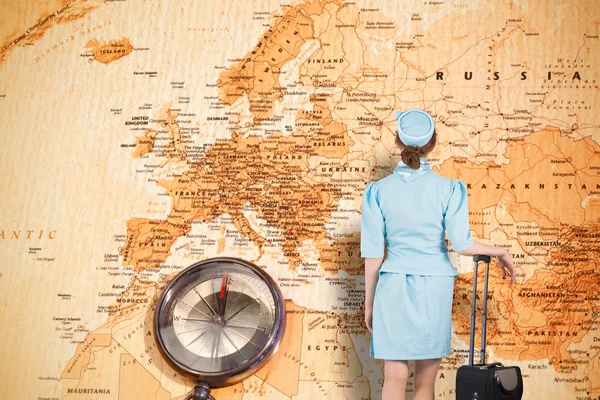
(486, 381)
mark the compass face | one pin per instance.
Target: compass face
(219, 316)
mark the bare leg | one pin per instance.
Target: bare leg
(396, 376)
(424, 381)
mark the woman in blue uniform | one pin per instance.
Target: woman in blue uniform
(408, 300)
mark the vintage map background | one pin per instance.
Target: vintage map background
(141, 136)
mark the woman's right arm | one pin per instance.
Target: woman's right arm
(504, 258)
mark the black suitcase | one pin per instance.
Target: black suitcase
(486, 381)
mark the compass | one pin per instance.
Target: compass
(219, 321)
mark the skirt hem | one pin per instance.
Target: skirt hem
(413, 357)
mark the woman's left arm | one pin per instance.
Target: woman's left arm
(372, 244)
(372, 266)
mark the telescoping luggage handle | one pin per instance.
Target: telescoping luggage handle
(476, 259)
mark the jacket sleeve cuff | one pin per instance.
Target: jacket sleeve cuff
(463, 246)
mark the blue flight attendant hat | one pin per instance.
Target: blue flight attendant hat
(415, 127)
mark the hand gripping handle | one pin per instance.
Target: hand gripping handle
(482, 257)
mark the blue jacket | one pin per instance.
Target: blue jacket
(409, 213)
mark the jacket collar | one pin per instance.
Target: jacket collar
(408, 174)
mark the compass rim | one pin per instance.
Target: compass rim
(232, 376)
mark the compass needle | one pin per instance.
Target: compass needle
(223, 295)
(245, 338)
(191, 330)
(198, 337)
(232, 342)
(197, 320)
(238, 311)
(245, 316)
(205, 302)
(205, 343)
(215, 348)
(194, 308)
(241, 326)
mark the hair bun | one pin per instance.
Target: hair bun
(410, 156)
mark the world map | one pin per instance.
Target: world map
(141, 137)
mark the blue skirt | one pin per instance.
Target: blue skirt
(412, 316)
